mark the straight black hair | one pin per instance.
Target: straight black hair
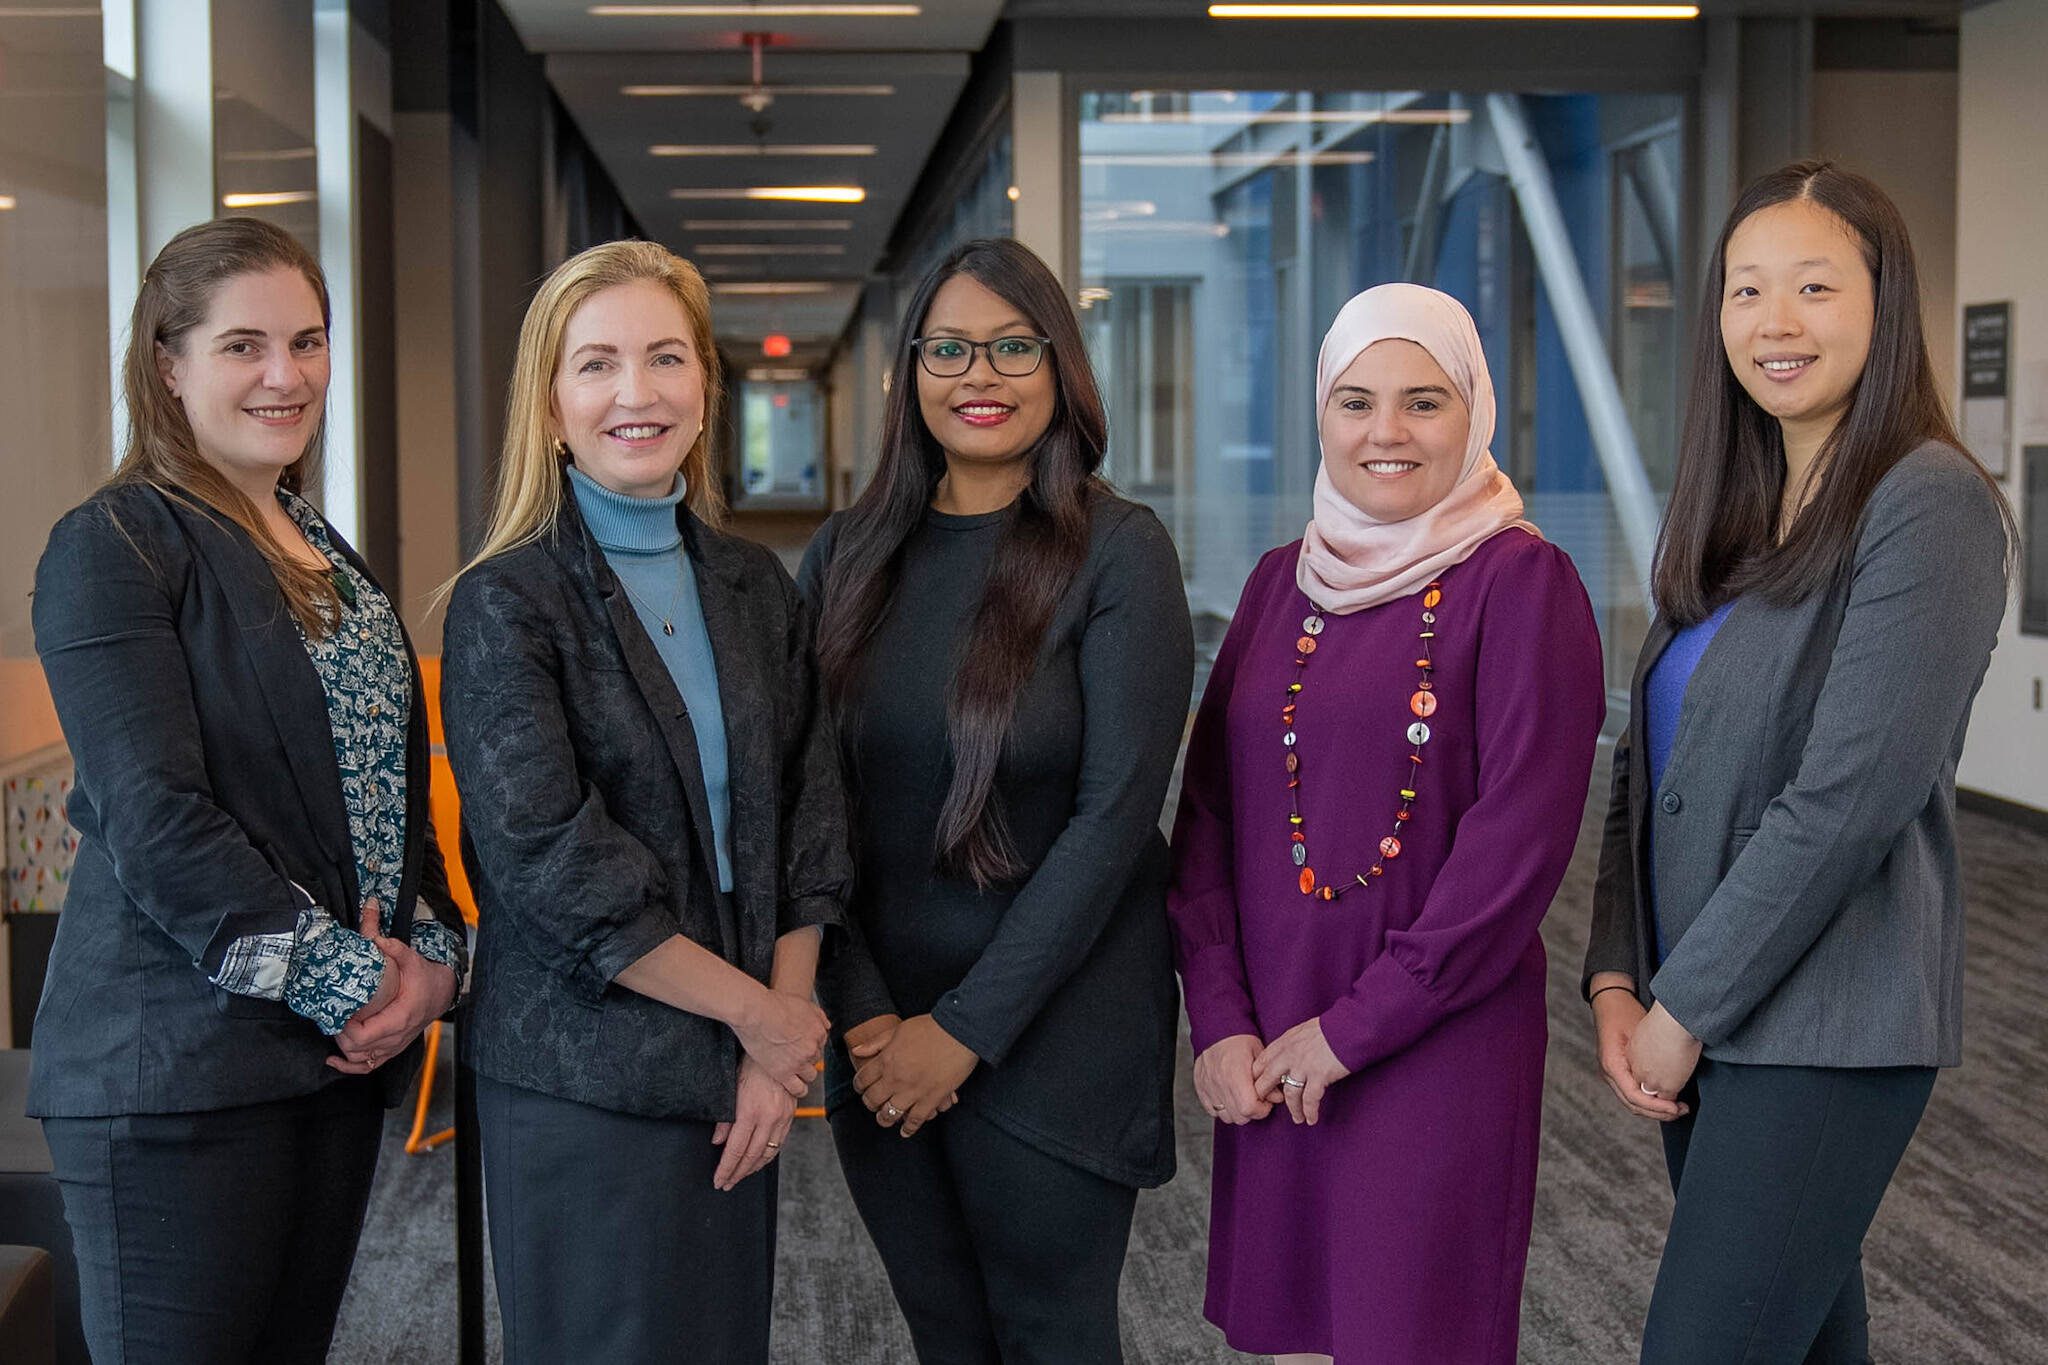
(1720, 537)
(1043, 546)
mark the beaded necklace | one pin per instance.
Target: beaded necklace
(1422, 703)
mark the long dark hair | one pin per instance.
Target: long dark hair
(177, 291)
(1720, 536)
(1042, 548)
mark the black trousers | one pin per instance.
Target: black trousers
(998, 1253)
(219, 1237)
(609, 1243)
(1778, 1172)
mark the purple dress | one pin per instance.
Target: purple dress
(1395, 1231)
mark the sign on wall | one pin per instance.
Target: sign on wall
(2034, 535)
(1987, 382)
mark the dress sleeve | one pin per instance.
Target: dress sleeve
(1136, 667)
(1539, 701)
(1203, 902)
(588, 896)
(849, 985)
(1926, 595)
(817, 865)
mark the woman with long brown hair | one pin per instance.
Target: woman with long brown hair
(1775, 965)
(653, 818)
(258, 926)
(1007, 645)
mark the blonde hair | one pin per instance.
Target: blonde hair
(177, 292)
(529, 498)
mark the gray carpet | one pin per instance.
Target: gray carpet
(1957, 1263)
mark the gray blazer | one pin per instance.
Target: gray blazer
(1805, 868)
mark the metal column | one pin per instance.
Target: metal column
(1635, 506)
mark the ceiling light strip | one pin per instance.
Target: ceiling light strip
(763, 149)
(779, 91)
(774, 287)
(1526, 11)
(769, 249)
(761, 11)
(266, 199)
(767, 225)
(781, 194)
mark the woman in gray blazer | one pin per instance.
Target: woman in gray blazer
(1776, 955)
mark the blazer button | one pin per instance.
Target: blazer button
(1672, 803)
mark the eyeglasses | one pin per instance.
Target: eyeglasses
(950, 357)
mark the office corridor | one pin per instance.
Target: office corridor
(1956, 1262)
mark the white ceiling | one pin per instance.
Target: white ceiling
(592, 59)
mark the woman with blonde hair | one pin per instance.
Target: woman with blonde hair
(653, 818)
(259, 924)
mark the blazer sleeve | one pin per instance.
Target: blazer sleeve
(106, 628)
(1202, 905)
(1611, 945)
(817, 866)
(1540, 700)
(1926, 594)
(849, 984)
(1136, 667)
(588, 896)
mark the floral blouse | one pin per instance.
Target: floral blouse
(325, 969)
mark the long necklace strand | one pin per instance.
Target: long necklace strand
(1422, 704)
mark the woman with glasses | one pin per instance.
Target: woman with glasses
(1007, 645)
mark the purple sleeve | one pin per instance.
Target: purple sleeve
(1540, 701)
(1203, 902)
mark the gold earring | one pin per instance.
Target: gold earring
(561, 449)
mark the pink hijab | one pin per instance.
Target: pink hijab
(1349, 561)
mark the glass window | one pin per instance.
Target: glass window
(263, 136)
(57, 442)
(1222, 230)
(781, 440)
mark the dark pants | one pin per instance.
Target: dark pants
(998, 1253)
(609, 1243)
(218, 1237)
(1778, 1172)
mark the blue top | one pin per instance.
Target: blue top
(1663, 705)
(643, 542)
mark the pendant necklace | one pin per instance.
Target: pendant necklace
(1422, 704)
(667, 618)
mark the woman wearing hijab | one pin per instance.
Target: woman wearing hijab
(1381, 794)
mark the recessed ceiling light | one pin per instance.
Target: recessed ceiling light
(765, 375)
(52, 12)
(761, 11)
(1281, 158)
(774, 287)
(268, 199)
(1454, 11)
(786, 194)
(767, 225)
(280, 154)
(735, 91)
(1245, 119)
(6, 202)
(770, 249)
(763, 149)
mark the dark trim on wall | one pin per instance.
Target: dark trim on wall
(1886, 45)
(2030, 818)
(978, 115)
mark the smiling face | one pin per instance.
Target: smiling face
(981, 417)
(628, 395)
(1797, 306)
(1394, 432)
(252, 376)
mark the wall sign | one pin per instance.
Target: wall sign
(1987, 382)
(2034, 532)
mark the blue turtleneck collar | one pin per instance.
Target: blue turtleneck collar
(619, 522)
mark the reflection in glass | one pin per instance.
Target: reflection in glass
(781, 442)
(263, 130)
(1222, 230)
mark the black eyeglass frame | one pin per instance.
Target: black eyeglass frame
(917, 345)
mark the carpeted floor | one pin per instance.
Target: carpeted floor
(1957, 1263)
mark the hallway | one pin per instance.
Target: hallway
(1955, 1261)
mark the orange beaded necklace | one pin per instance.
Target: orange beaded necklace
(1423, 704)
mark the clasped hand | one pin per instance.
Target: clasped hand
(910, 1069)
(412, 993)
(784, 1035)
(1646, 1056)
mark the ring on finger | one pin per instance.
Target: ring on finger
(1293, 1081)
(1644, 1087)
(892, 1111)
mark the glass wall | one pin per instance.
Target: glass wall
(781, 435)
(1222, 230)
(265, 162)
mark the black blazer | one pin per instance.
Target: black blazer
(586, 829)
(206, 787)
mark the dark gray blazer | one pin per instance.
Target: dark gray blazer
(207, 786)
(585, 824)
(1805, 868)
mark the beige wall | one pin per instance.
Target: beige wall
(2001, 224)
(1899, 128)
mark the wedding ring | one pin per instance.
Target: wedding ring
(892, 1111)
(1647, 1091)
(775, 1144)
(1297, 1084)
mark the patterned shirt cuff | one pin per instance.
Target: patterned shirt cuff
(436, 942)
(334, 972)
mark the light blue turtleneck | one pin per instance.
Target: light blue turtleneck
(643, 543)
